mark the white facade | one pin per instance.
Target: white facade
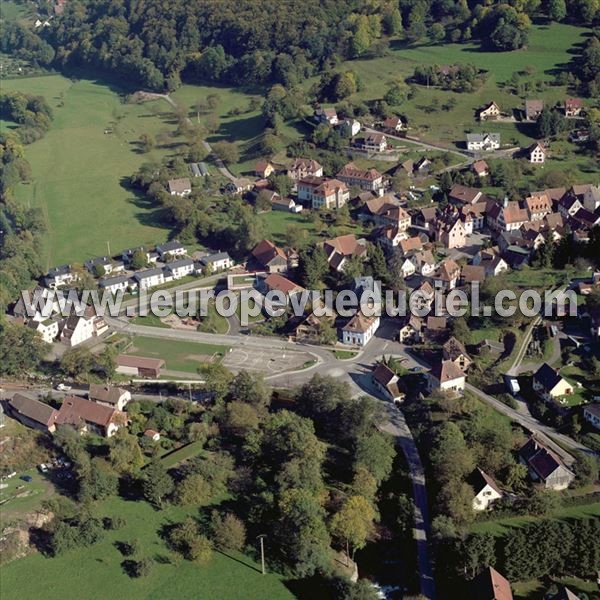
(150, 278)
(48, 330)
(485, 497)
(359, 336)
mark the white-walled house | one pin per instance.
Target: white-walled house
(219, 261)
(359, 330)
(486, 490)
(591, 413)
(180, 268)
(483, 141)
(109, 395)
(149, 278)
(172, 249)
(59, 276)
(48, 329)
(77, 330)
(115, 284)
(446, 377)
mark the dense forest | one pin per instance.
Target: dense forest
(156, 44)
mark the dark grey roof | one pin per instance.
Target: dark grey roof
(184, 262)
(169, 246)
(147, 273)
(547, 376)
(215, 257)
(108, 281)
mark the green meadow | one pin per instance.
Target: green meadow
(81, 167)
(97, 572)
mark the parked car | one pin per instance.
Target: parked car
(43, 468)
(61, 387)
(26, 478)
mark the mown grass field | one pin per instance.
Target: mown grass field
(97, 571)
(80, 173)
(178, 355)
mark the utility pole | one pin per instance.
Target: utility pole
(262, 551)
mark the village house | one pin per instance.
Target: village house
(423, 166)
(341, 248)
(392, 124)
(388, 236)
(591, 413)
(109, 395)
(304, 167)
(410, 245)
(508, 216)
(461, 194)
(104, 265)
(128, 254)
(374, 142)
(537, 153)
(533, 109)
(545, 466)
(549, 385)
(538, 207)
(573, 107)
(450, 231)
(424, 262)
(483, 142)
(275, 282)
(89, 417)
(471, 274)
(80, 328)
(446, 276)
(149, 278)
(170, 250)
(591, 199)
(268, 257)
(445, 376)
(310, 328)
(263, 169)
(480, 168)
(59, 276)
(359, 330)
(152, 434)
(491, 261)
(407, 268)
(410, 330)
(386, 210)
(120, 283)
(365, 179)
(139, 366)
(388, 383)
(219, 261)
(490, 585)
(180, 187)
(284, 204)
(32, 413)
(486, 490)
(327, 116)
(436, 329)
(489, 112)
(320, 192)
(350, 127)
(454, 351)
(569, 205)
(48, 329)
(180, 268)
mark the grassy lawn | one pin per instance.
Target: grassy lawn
(171, 458)
(97, 572)
(532, 590)
(344, 354)
(277, 221)
(19, 497)
(501, 526)
(178, 355)
(237, 122)
(80, 172)
(150, 321)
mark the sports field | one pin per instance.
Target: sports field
(178, 355)
(80, 169)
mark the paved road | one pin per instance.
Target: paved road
(544, 432)
(220, 164)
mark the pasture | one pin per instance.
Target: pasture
(98, 571)
(80, 169)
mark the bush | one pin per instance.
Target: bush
(229, 532)
(142, 568)
(114, 523)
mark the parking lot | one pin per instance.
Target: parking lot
(266, 361)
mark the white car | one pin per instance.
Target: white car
(61, 387)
